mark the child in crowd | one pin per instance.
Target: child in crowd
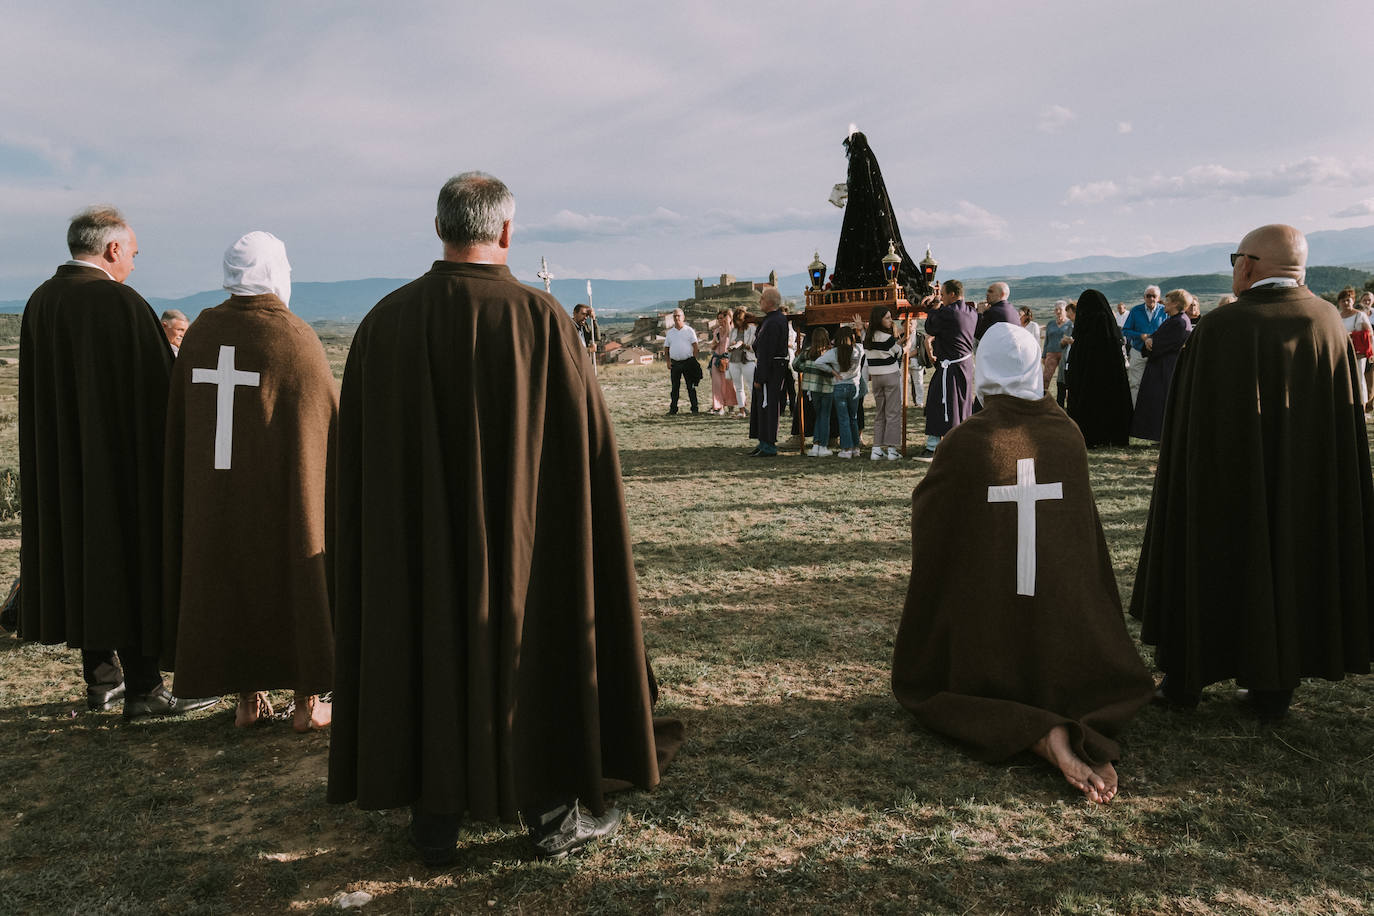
(884, 369)
(845, 362)
(817, 387)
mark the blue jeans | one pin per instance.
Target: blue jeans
(823, 404)
(847, 412)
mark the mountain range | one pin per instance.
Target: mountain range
(1205, 265)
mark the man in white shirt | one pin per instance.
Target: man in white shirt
(680, 347)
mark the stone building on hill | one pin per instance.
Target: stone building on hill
(728, 293)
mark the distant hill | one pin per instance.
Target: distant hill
(1119, 287)
(1194, 268)
(1342, 247)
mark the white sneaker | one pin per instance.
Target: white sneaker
(846, 453)
(819, 451)
(877, 455)
(892, 453)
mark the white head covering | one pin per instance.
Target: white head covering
(1008, 362)
(257, 264)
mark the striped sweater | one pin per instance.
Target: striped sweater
(885, 354)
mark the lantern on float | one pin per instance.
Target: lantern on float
(817, 271)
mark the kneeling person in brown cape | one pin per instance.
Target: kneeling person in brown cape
(489, 655)
(1012, 642)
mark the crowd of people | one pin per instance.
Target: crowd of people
(443, 543)
(1082, 346)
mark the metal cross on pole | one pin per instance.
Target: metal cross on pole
(544, 274)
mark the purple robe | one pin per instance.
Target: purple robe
(949, 400)
(1148, 419)
(998, 311)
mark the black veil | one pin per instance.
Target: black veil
(869, 224)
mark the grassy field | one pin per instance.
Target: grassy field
(771, 592)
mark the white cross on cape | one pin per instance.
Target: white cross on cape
(226, 377)
(1025, 493)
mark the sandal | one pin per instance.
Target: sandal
(254, 709)
(313, 713)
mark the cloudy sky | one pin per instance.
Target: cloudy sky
(669, 140)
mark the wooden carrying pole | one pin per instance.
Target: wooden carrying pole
(906, 373)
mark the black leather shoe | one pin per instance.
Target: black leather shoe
(102, 697)
(1169, 696)
(161, 703)
(574, 830)
(435, 837)
(1266, 705)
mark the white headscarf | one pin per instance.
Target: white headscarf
(257, 264)
(1008, 362)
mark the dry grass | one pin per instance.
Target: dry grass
(771, 593)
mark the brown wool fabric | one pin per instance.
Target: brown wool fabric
(974, 660)
(246, 574)
(490, 657)
(1258, 558)
(93, 368)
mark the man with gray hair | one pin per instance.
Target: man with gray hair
(93, 376)
(770, 349)
(174, 325)
(489, 659)
(1143, 320)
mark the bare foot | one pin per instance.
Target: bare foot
(253, 708)
(311, 712)
(1107, 773)
(1098, 783)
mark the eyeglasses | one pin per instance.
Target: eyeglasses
(1238, 255)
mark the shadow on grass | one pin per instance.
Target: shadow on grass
(758, 552)
(676, 463)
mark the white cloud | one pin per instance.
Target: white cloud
(1054, 118)
(57, 155)
(730, 222)
(1360, 208)
(1123, 127)
(964, 221)
(567, 226)
(1094, 192)
(1213, 180)
(637, 271)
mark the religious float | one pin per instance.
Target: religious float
(864, 275)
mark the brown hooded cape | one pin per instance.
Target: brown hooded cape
(490, 658)
(1258, 557)
(246, 584)
(93, 367)
(976, 661)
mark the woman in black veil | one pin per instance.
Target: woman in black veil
(1099, 394)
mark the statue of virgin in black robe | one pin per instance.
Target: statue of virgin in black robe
(869, 225)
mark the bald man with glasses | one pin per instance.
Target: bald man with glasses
(1258, 558)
